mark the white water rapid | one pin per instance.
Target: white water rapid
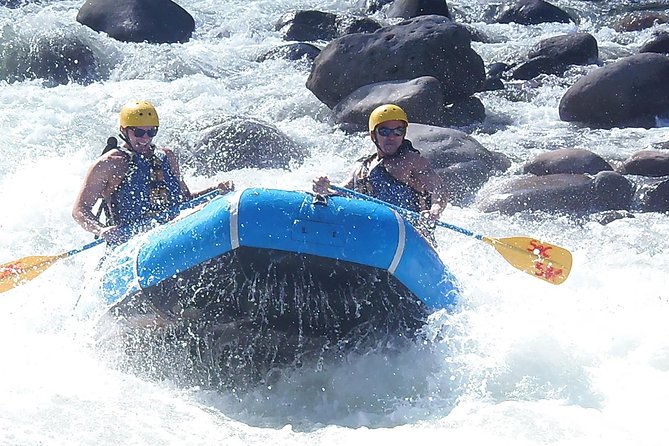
(523, 362)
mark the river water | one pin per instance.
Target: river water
(523, 362)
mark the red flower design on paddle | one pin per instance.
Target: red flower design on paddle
(536, 247)
(8, 270)
(547, 272)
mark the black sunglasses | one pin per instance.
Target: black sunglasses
(386, 131)
(141, 132)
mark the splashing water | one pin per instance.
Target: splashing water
(520, 362)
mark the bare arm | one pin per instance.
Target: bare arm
(432, 183)
(100, 180)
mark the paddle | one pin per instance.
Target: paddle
(18, 272)
(539, 259)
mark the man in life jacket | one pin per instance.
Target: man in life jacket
(136, 182)
(396, 173)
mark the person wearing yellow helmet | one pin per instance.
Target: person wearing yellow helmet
(135, 182)
(396, 172)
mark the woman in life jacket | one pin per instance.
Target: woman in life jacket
(136, 182)
(396, 172)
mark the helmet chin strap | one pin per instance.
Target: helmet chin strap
(124, 138)
(375, 140)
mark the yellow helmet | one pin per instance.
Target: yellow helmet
(138, 114)
(386, 112)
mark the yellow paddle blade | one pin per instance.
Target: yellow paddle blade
(540, 259)
(20, 271)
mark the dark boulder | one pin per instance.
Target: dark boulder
(532, 12)
(550, 193)
(567, 161)
(351, 25)
(574, 194)
(153, 21)
(13, 4)
(497, 69)
(463, 113)
(650, 163)
(445, 146)
(307, 25)
(639, 20)
(243, 143)
(492, 83)
(656, 197)
(423, 46)
(554, 55)
(461, 161)
(311, 25)
(611, 191)
(659, 43)
(569, 49)
(536, 66)
(408, 9)
(57, 61)
(292, 51)
(493, 80)
(630, 91)
(421, 98)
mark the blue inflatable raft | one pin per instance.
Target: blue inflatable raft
(267, 260)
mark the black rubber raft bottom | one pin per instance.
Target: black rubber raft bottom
(233, 319)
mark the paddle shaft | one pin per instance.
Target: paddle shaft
(539, 259)
(406, 212)
(181, 207)
(25, 269)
